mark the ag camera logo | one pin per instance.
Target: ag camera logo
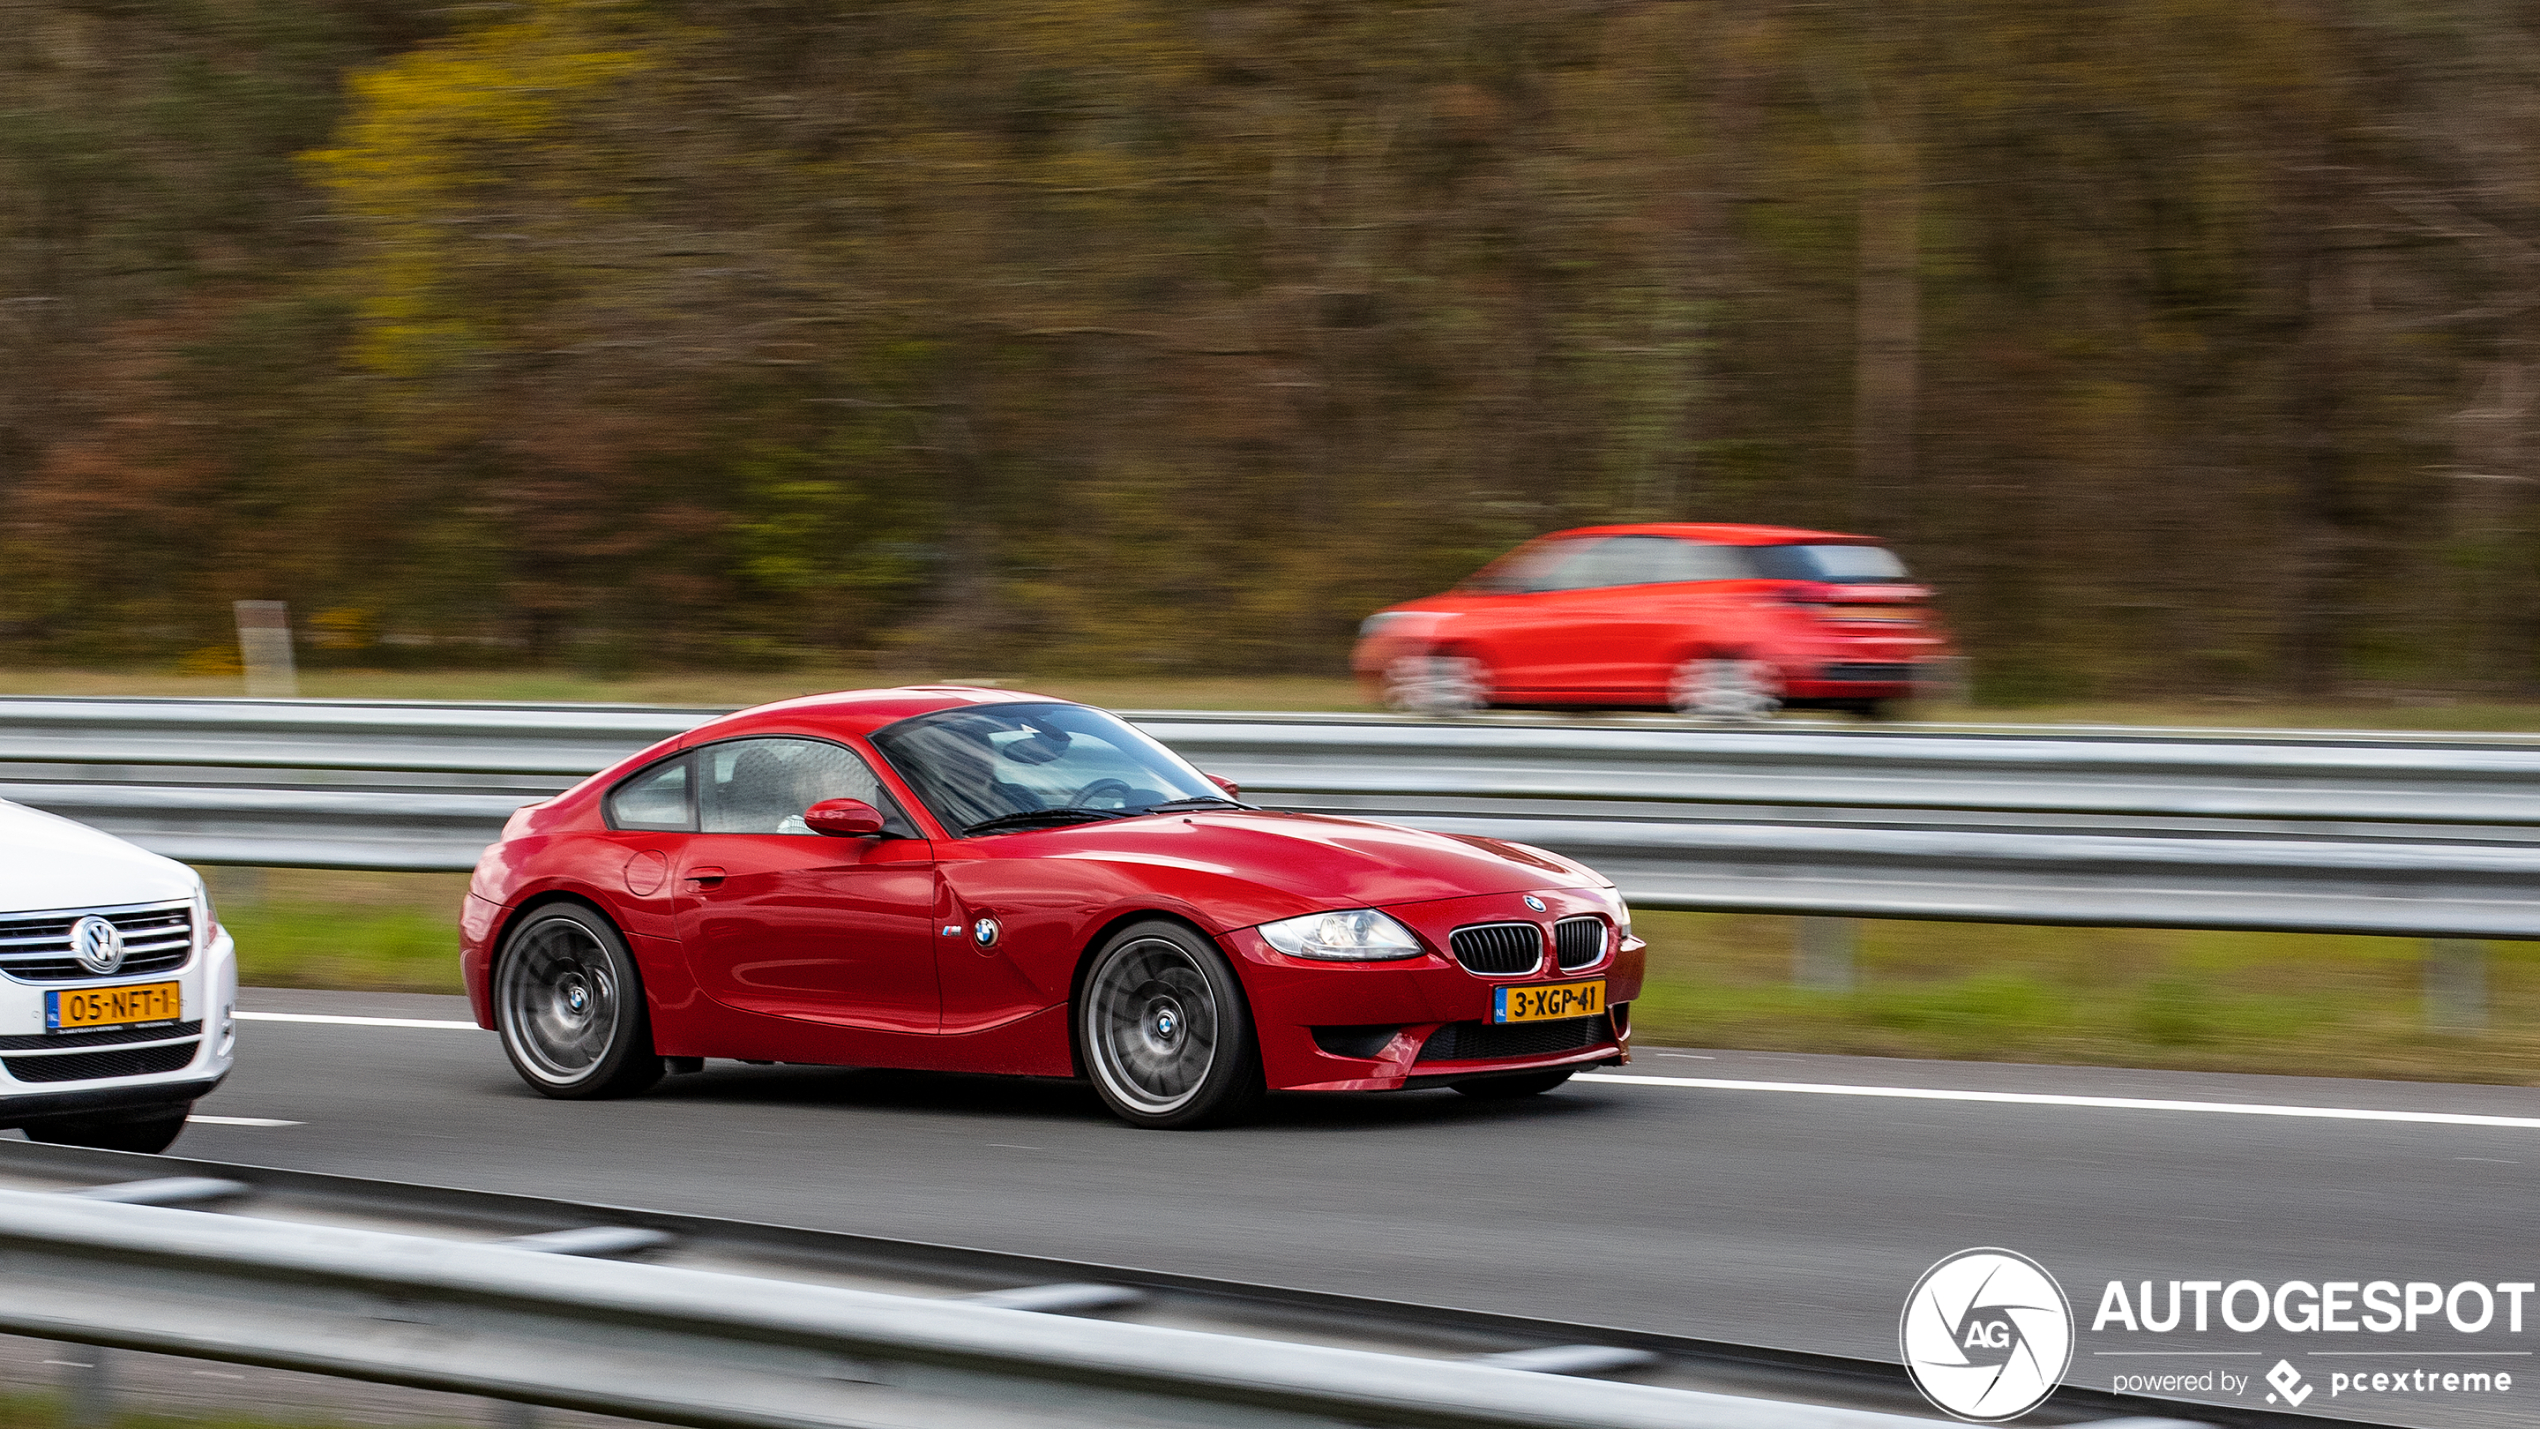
(1987, 1335)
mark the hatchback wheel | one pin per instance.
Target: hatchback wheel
(1437, 685)
(570, 1007)
(1724, 688)
(1165, 1032)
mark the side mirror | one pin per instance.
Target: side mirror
(844, 818)
(1233, 789)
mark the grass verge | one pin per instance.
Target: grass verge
(2131, 997)
(1257, 692)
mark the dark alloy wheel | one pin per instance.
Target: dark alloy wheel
(1508, 1089)
(1164, 1029)
(570, 1007)
(149, 1131)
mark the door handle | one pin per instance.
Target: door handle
(706, 877)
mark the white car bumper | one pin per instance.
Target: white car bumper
(46, 1070)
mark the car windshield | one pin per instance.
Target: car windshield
(1833, 565)
(1019, 766)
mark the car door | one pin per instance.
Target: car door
(776, 919)
(1545, 637)
(1663, 603)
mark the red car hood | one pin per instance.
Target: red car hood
(1317, 862)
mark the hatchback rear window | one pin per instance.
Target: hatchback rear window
(1833, 565)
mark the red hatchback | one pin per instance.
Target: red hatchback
(1705, 619)
(985, 881)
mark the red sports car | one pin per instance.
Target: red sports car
(1707, 619)
(986, 881)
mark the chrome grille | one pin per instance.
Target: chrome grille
(36, 947)
(62, 1041)
(1578, 942)
(1498, 948)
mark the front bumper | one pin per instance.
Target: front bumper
(1378, 1019)
(30, 1091)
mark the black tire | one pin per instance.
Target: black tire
(1165, 1032)
(569, 1004)
(1509, 1089)
(149, 1132)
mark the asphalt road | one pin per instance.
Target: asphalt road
(1768, 1216)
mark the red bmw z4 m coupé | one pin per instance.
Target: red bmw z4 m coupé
(986, 881)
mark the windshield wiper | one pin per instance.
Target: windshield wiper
(1061, 814)
(1196, 801)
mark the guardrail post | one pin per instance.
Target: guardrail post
(264, 647)
(2455, 984)
(1823, 962)
(88, 1386)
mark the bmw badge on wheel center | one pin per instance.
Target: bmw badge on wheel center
(1986, 1335)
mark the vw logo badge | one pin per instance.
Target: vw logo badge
(97, 944)
(1534, 902)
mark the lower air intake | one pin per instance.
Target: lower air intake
(86, 1066)
(1473, 1041)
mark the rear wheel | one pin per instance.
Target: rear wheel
(1507, 1089)
(1165, 1031)
(1724, 687)
(1448, 684)
(149, 1132)
(570, 1007)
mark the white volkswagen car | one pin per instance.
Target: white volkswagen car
(116, 987)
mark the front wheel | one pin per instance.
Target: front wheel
(149, 1132)
(1505, 1089)
(570, 1007)
(1165, 1032)
(1437, 685)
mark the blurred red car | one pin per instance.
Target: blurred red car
(1704, 619)
(985, 881)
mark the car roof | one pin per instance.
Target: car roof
(1717, 532)
(859, 711)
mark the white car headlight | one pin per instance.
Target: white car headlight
(206, 922)
(1361, 935)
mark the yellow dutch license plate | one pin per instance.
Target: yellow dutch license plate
(1548, 1003)
(91, 1009)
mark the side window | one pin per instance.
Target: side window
(1587, 565)
(762, 786)
(654, 799)
(1653, 560)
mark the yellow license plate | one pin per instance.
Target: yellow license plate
(92, 1008)
(1548, 1003)
(1884, 614)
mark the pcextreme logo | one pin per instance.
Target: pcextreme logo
(1987, 1335)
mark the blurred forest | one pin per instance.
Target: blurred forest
(2186, 345)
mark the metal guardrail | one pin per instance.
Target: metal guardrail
(363, 1280)
(2424, 835)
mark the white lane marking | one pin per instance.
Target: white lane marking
(1938, 1094)
(241, 1121)
(335, 1021)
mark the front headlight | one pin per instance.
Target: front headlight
(1622, 913)
(206, 924)
(1361, 935)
